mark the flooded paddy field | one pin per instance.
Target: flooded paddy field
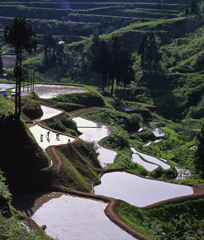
(69, 217)
(139, 191)
(50, 91)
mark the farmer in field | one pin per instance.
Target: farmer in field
(48, 134)
(57, 136)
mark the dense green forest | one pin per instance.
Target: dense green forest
(147, 56)
(68, 36)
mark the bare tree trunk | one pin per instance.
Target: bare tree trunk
(112, 87)
(19, 98)
(16, 96)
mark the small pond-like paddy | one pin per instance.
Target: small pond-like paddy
(138, 191)
(149, 166)
(152, 159)
(92, 131)
(69, 217)
(50, 91)
(4, 86)
(49, 112)
(46, 141)
(40, 134)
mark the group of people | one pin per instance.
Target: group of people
(48, 136)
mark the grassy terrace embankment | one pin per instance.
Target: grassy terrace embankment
(106, 16)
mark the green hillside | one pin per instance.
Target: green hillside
(167, 95)
(179, 39)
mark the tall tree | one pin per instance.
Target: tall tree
(194, 7)
(149, 52)
(120, 63)
(127, 72)
(1, 62)
(21, 35)
(116, 48)
(101, 61)
(49, 43)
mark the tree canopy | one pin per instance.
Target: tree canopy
(113, 61)
(22, 37)
(149, 52)
(101, 61)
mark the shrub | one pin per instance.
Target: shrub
(32, 109)
(116, 119)
(89, 149)
(68, 107)
(89, 99)
(146, 135)
(117, 140)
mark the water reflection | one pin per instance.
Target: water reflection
(138, 191)
(4, 86)
(71, 217)
(92, 131)
(149, 166)
(50, 91)
(182, 173)
(147, 144)
(48, 112)
(157, 132)
(152, 159)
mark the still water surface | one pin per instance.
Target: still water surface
(69, 217)
(152, 159)
(149, 166)
(138, 191)
(4, 86)
(50, 91)
(92, 131)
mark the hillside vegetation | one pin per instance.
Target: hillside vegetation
(168, 96)
(176, 90)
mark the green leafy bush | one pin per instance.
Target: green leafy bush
(173, 221)
(32, 109)
(5, 195)
(89, 149)
(117, 141)
(116, 119)
(62, 122)
(89, 99)
(146, 135)
(68, 107)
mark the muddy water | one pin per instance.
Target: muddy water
(95, 132)
(69, 217)
(138, 191)
(149, 166)
(50, 91)
(152, 159)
